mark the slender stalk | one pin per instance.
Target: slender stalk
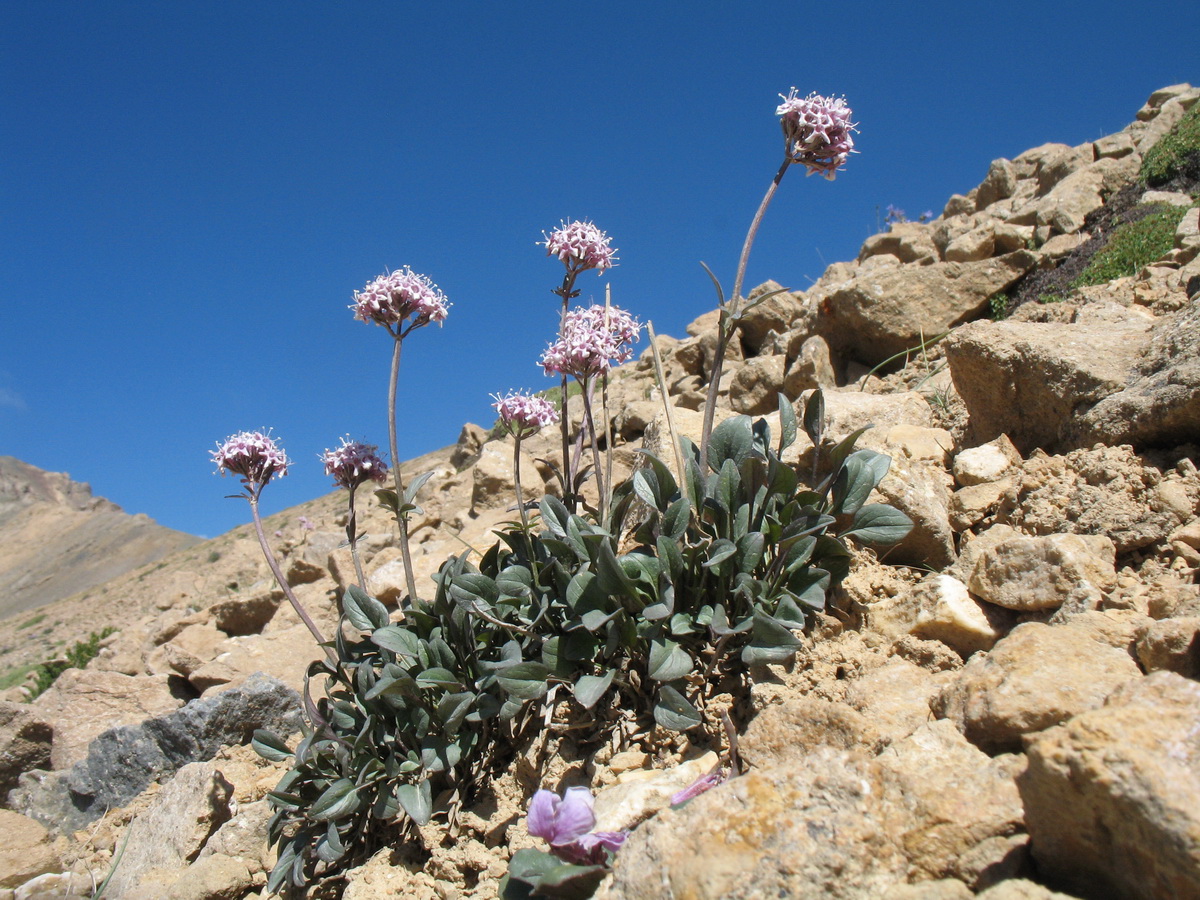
(566, 291)
(591, 427)
(401, 518)
(680, 474)
(352, 535)
(284, 586)
(606, 496)
(730, 312)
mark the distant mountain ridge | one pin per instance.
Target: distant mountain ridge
(57, 539)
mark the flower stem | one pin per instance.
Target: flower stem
(566, 291)
(284, 586)
(352, 535)
(730, 312)
(401, 518)
(591, 427)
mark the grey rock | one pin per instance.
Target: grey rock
(122, 761)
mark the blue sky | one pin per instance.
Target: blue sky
(191, 192)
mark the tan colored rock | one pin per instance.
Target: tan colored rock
(1036, 677)
(1172, 645)
(192, 647)
(986, 463)
(212, 878)
(971, 505)
(886, 312)
(895, 697)
(1055, 369)
(54, 886)
(1112, 797)
(83, 703)
(247, 615)
(639, 794)
(974, 245)
(920, 491)
(811, 367)
(909, 242)
(966, 815)
(25, 741)
(915, 442)
(470, 441)
(1021, 889)
(756, 385)
(940, 608)
(26, 850)
(784, 734)
(1031, 573)
(284, 654)
(172, 830)
(243, 837)
(493, 485)
(999, 184)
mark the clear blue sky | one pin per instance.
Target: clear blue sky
(190, 192)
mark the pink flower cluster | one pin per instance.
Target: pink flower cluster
(353, 463)
(524, 414)
(580, 245)
(392, 298)
(252, 454)
(591, 340)
(817, 130)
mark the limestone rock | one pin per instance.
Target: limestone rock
(122, 761)
(248, 615)
(1028, 379)
(940, 608)
(26, 850)
(173, 829)
(493, 474)
(1037, 676)
(920, 491)
(886, 312)
(1106, 491)
(640, 793)
(1031, 573)
(1172, 645)
(774, 315)
(25, 741)
(83, 703)
(971, 505)
(811, 367)
(909, 242)
(985, 463)
(212, 878)
(756, 385)
(784, 734)
(1112, 797)
(895, 697)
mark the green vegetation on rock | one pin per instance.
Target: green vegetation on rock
(1132, 246)
(1165, 159)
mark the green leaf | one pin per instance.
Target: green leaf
(570, 882)
(268, 746)
(438, 677)
(675, 519)
(417, 800)
(525, 681)
(770, 642)
(668, 661)
(814, 417)
(555, 515)
(837, 456)
(879, 523)
(728, 482)
(787, 423)
(719, 551)
(863, 471)
(731, 440)
(750, 549)
(453, 708)
(364, 612)
(398, 639)
(673, 710)
(338, 800)
(590, 688)
(415, 485)
(670, 556)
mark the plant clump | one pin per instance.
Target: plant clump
(1132, 246)
(1176, 155)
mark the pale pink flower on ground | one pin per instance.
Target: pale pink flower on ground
(254, 455)
(817, 131)
(580, 245)
(523, 414)
(566, 823)
(354, 463)
(392, 298)
(591, 340)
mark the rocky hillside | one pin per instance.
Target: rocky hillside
(56, 539)
(1004, 706)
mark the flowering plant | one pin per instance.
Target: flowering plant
(647, 605)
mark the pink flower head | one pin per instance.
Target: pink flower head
(566, 824)
(591, 340)
(252, 454)
(817, 131)
(580, 245)
(523, 414)
(392, 298)
(354, 463)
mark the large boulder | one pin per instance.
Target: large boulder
(1032, 380)
(1112, 797)
(889, 310)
